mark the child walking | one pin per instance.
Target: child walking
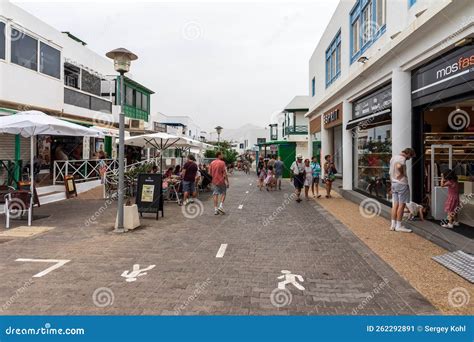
(261, 178)
(451, 206)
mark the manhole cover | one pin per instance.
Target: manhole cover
(459, 262)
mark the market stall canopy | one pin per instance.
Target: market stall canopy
(31, 123)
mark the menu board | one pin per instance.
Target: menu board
(149, 197)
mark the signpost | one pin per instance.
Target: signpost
(149, 198)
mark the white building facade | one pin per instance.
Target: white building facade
(387, 75)
(55, 72)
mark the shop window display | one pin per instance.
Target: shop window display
(372, 153)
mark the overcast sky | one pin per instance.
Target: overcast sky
(221, 63)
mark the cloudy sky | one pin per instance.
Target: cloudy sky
(222, 63)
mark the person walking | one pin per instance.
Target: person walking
(316, 170)
(297, 171)
(308, 178)
(400, 188)
(279, 166)
(329, 174)
(188, 174)
(220, 182)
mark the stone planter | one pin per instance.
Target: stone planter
(131, 217)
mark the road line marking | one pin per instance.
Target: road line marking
(58, 264)
(221, 251)
(241, 206)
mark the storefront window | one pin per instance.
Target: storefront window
(372, 154)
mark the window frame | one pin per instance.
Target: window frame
(40, 44)
(357, 15)
(411, 3)
(36, 69)
(313, 86)
(4, 58)
(333, 53)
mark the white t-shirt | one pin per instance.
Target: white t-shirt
(395, 175)
(297, 168)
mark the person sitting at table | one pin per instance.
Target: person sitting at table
(177, 170)
(168, 173)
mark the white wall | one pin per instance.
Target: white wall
(32, 88)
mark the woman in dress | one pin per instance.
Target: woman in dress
(308, 178)
(329, 174)
(451, 206)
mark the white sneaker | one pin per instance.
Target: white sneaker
(392, 228)
(221, 209)
(403, 229)
(456, 223)
(191, 200)
(447, 225)
(216, 211)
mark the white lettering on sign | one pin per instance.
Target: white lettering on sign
(332, 116)
(136, 272)
(58, 264)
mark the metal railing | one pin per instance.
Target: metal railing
(298, 129)
(82, 170)
(110, 178)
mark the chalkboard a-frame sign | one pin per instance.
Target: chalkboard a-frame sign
(149, 197)
(70, 185)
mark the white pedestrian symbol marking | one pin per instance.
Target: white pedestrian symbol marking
(290, 278)
(58, 264)
(136, 272)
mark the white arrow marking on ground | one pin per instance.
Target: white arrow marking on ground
(58, 264)
(221, 251)
(241, 206)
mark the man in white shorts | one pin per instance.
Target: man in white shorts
(400, 188)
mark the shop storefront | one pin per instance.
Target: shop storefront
(443, 129)
(332, 122)
(371, 130)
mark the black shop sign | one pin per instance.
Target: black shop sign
(376, 102)
(449, 75)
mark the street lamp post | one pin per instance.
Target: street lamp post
(218, 130)
(122, 59)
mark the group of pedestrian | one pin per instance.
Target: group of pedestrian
(307, 174)
(269, 173)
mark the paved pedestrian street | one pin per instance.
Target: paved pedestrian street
(268, 255)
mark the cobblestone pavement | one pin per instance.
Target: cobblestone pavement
(265, 233)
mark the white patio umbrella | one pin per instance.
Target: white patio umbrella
(161, 141)
(31, 123)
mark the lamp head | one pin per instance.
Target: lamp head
(218, 129)
(122, 59)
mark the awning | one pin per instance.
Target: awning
(370, 120)
(108, 131)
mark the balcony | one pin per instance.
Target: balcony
(295, 130)
(81, 99)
